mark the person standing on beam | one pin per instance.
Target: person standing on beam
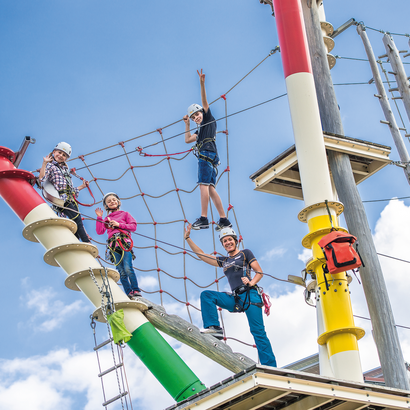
(245, 296)
(208, 160)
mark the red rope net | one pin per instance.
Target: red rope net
(155, 181)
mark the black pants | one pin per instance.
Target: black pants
(76, 217)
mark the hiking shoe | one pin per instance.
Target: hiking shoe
(223, 223)
(214, 331)
(200, 223)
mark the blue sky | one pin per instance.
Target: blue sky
(94, 73)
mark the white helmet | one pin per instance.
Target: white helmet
(63, 146)
(193, 108)
(227, 232)
(106, 196)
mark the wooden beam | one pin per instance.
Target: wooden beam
(383, 99)
(309, 403)
(398, 69)
(189, 334)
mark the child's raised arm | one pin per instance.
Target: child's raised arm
(46, 160)
(205, 104)
(189, 138)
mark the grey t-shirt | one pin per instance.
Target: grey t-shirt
(236, 267)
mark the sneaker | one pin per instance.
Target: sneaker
(214, 331)
(134, 294)
(223, 223)
(200, 223)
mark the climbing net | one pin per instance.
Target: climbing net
(154, 180)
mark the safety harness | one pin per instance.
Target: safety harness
(243, 305)
(69, 190)
(117, 243)
(196, 149)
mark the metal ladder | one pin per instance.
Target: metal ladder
(108, 306)
(118, 368)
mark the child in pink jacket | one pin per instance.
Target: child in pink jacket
(119, 225)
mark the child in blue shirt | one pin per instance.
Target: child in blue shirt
(208, 159)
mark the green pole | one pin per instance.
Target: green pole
(164, 363)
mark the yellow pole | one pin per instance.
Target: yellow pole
(339, 333)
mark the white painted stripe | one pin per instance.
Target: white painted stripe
(324, 363)
(346, 365)
(310, 147)
(78, 260)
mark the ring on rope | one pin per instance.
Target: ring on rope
(144, 154)
(72, 171)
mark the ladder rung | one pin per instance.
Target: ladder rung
(110, 370)
(402, 129)
(103, 344)
(394, 89)
(115, 398)
(397, 98)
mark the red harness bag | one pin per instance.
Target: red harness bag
(339, 251)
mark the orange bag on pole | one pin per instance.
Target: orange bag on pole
(339, 252)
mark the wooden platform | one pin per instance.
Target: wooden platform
(281, 175)
(267, 388)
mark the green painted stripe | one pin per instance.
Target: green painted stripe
(164, 363)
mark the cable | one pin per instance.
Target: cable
(352, 58)
(367, 318)
(392, 257)
(169, 125)
(364, 83)
(181, 133)
(388, 32)
(390, 199)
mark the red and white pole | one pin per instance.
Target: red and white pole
(338, 349)
(76, 259)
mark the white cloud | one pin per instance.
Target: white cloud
(49, 311)
(305, 255)
(147, 282)
(277, 251)
(46, 382)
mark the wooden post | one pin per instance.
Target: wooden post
(398, 69)
(384, 102)
(384, 330)
(189, 334)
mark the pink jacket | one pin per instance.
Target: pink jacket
(125, 220)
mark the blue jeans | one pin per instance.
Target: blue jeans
(76, 217)
(206, 171)
(127, 274)
(211, 299)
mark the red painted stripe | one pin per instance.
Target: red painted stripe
(17, 192)
(292, 37)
